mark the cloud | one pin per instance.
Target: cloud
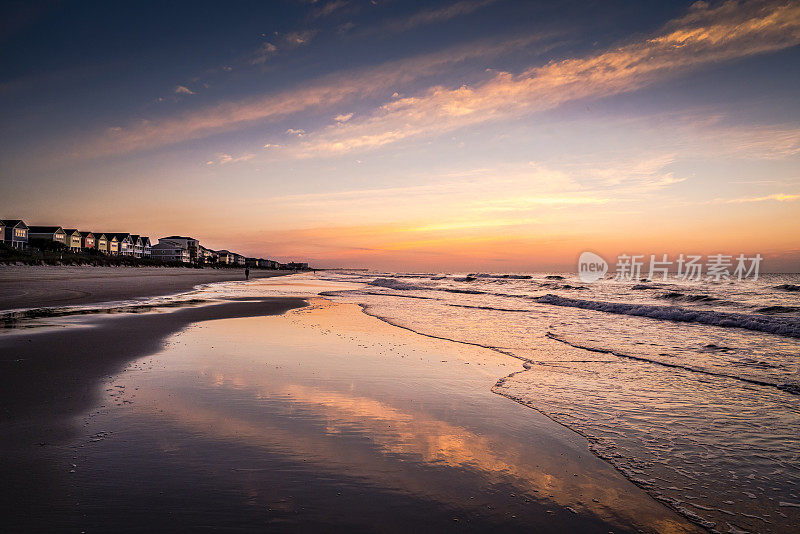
(271, 145)
(263, 53)
(705, 36)
(473, 224)
(777, 197)
(299, 132)
(328, 8)
(183, 90)
(505, 188)
(327, 92)
(344, 28)
(432, 16)
(280, 42)
(344, 117)
(299, 38)
(223, 159)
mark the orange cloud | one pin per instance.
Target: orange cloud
(325, 93)
(705, 36)
(778, 197)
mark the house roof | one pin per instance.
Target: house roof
(179, 237)
(71, 231)
(86, 233)
(13, 222)
(169, 246)
(44, 229)
(119, 235)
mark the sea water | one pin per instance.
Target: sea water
(691, 389)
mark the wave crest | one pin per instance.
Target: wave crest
(783, 326)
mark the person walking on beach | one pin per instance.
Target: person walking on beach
(247, 273)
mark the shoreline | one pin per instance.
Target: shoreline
(30, 286)
(43, 394)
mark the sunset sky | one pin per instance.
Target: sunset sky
(443, 135)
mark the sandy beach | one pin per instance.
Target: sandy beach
(29, 286)
(268, 413)
(400, 267)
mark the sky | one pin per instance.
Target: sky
(459, 135)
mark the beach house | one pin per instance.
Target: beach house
(225, 257)
(146, 246)
(238, 259)
(260, 263)
(113, 244)
(170, 250)
(136, 242)
(101, 243)
(208, 255)
(124, 243)
(74, 239)
(191, 244)
(87, 240)
(48, 233)
(15, 233)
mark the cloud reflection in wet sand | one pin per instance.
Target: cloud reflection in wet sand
(379, 437)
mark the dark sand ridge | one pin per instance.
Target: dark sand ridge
(39, 286)
(48, 378)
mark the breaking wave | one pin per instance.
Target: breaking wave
(393, 283)
(784, 326)
(788, 287)
(677, 295)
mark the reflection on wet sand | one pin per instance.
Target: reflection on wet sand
(289, 386)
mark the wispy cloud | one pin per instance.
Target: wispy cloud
(324, 93)
(223, 159)
(473, 224)
(776, 197)
(263, 53)
(343, 117)
(489, 194)
(705, 36)
(278, 43)
(434, 15)
(182, 90)
(328, 8)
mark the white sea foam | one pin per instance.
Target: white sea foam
(393, 283)
(785, 326)
(690, 402)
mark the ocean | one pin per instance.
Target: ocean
(690, 389)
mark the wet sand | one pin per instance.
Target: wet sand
(32, 286)
(322, 419)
